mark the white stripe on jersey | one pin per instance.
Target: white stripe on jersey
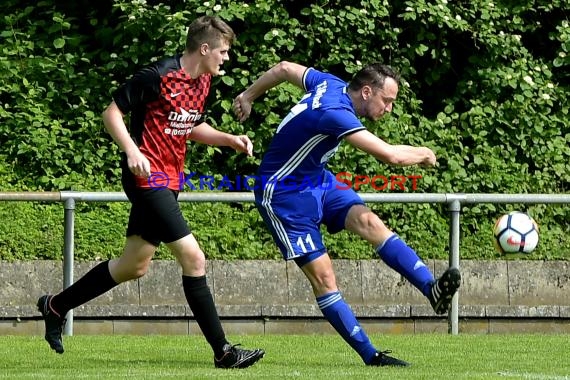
(304, 78)
(275, 179)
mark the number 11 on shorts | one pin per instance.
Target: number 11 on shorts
(308, 240)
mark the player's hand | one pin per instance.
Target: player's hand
(241, 107)
(243, 144)
(138, 164)
(429, 159)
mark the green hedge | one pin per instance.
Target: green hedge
(486, 85)
(33, 230)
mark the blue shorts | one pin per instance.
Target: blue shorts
(294, 217)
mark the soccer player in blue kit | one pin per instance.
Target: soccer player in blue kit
(293, 211)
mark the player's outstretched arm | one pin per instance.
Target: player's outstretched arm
(204, 133)
(402, 155)
(115, 125)
(282, 72)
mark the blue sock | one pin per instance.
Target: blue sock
(341, 317)
(405, 261)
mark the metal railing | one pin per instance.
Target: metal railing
(454, 203)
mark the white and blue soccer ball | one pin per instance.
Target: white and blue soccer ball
(515, 232)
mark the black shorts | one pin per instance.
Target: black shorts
(155, 214)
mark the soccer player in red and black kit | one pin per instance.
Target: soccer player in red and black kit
(166, 101)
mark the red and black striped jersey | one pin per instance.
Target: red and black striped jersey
(164, 103)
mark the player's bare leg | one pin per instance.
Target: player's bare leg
(400, 257)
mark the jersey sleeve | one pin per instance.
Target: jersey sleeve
(340, 122)
(311, 78)
(143, 87)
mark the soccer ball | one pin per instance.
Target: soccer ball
(515, 232)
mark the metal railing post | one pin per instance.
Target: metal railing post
(455, 211)
(68, 244)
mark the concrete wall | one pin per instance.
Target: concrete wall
(274, 297)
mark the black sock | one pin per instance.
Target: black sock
(94, 283)
(202, 305)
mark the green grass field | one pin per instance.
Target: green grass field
(539, 357)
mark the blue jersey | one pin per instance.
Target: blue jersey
(310, 134)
